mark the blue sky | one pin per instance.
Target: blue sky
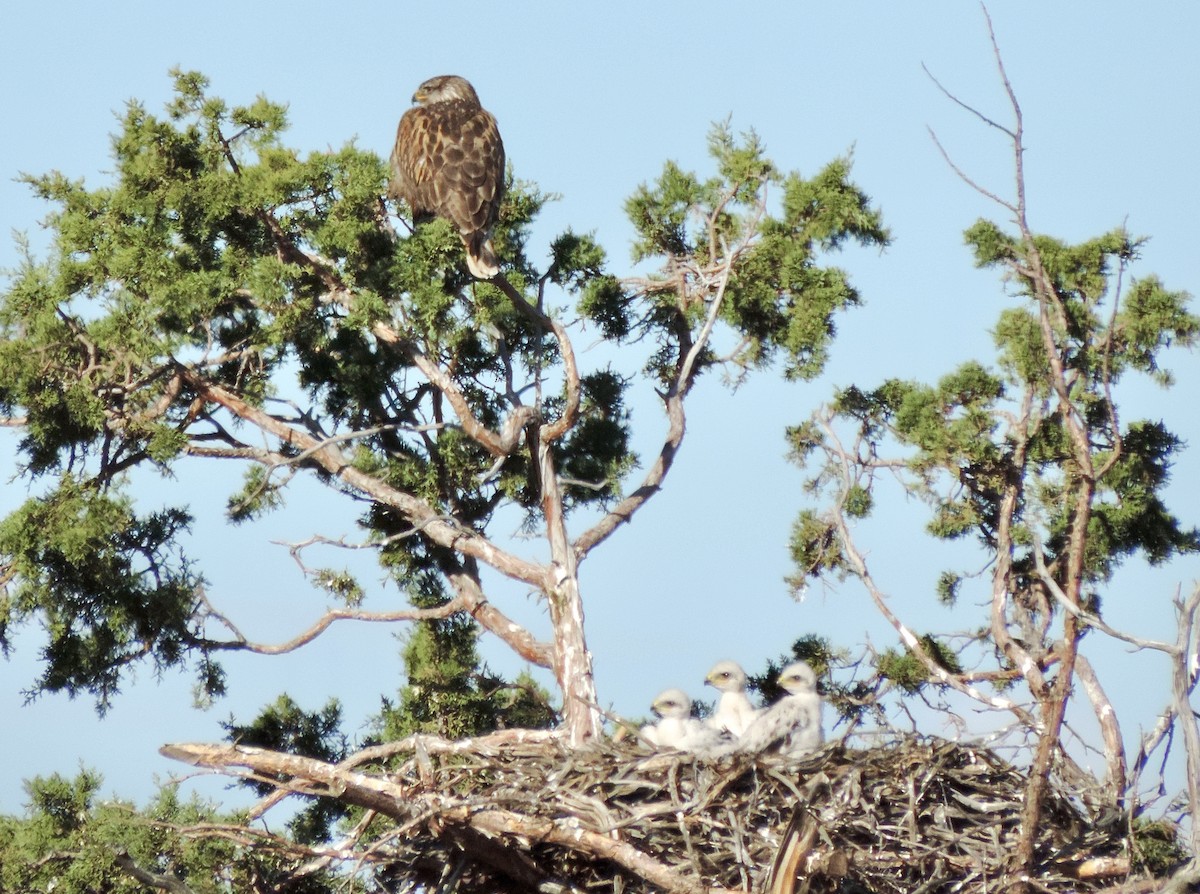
(591, 102)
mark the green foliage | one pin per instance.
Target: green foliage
(260, 495)
(957, 429)
(948, 587)
(858, 502)
(787, 302)
(782, 300)
(802, 440)
(606, 303)
(219, 260)
(596, 456)
(285, 726)
(341, 584)
(1150, 320)
(576, 261)
(448, 692)
(199, 253)
(1130, 516)
(72, 841)
(110, 586)
(908, 672)
(1156, 848)
(815, 549)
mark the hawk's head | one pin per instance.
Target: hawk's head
(672, 703)
(446, 88)
(727, 676)
(798, 678)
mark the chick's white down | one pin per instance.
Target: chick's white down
(734, 712)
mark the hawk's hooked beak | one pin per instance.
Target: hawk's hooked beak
(419, 96)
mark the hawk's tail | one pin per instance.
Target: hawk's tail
(481, 257)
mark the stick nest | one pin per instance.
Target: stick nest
(916, 815)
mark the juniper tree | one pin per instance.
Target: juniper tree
(226, 299)
(73, 840)
(1033, 459)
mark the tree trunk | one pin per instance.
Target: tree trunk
(572, 661)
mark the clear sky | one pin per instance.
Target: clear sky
(591, 101)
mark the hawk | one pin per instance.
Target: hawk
(676, 728)
(448, 162)
(793, 724)
(734, 712)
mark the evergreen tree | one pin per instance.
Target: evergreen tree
(226, 299)
(72, 840)
(1034, 460)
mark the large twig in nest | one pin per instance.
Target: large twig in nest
(308, 776)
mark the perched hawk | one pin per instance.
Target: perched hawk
(734, 712)
(448, 162)
(791, 726)
(676, 728)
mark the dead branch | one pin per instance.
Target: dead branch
(469, 600)
(1020, 431)
(162, 881)
(1183, 681)
(416, 511)
(1052, 316)
(841, 458)
(308, 776)
(715, 282)
(570, 413)
(1110, 729)
(241, 642)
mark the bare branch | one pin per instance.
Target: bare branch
(570, 413)
(962, 175)
(913, 643)
(309, 776)
(964, 105)
(418, 512)
(241, 643)
(1110, 728)
(1001, 579)
(164, 882)
(1110, 405)
(1085, 616)
(356, 435)
(438, 377)
(717, 282)
(1183, 681)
